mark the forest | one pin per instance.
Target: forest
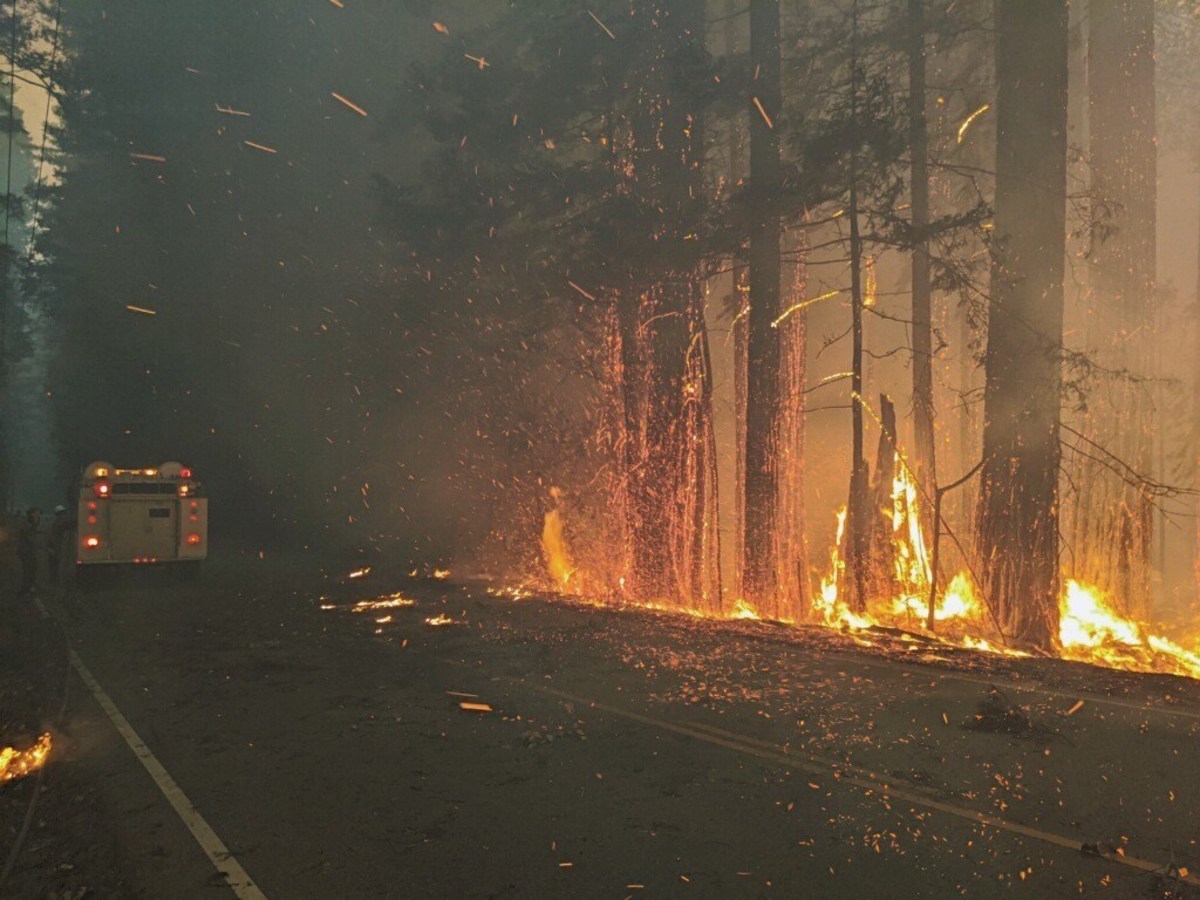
(864, 313)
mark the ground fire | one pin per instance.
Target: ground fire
(15, 764)
(1090, 630)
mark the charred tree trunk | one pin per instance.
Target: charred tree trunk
(791, 548)
(1196, 435)
(859, 506)
(922, 312)
(883, 551)
(760, 566)
(1018, 527)
(1119, 517)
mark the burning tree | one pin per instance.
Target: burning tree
(570, 172)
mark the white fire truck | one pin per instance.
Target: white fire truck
(140, 516)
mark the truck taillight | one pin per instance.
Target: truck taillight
(185, 473)
(193, 539)
(101, 488)
(91, 542)
(92, 520)
(184, 490)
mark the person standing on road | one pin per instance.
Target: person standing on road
(54, 542)
(28, 541)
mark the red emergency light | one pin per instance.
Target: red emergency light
(102, 488)
(193, 539)
(91, 542)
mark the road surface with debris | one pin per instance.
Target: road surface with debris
(439, 740)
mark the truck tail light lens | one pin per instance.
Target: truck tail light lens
(101, 488)
(91, 542)
(193, 539)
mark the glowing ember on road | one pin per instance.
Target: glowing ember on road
(439, 620)
(16, 764)
(391, 601)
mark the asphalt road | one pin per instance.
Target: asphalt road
(623, 754)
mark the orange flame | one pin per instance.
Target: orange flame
(16, 764)
(1090, 631)
(554, 546)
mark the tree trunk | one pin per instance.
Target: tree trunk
(858, 509)
(1196, 436)
(760, 566)
(665, 473)
(922, 313)
(1018, 527)
(791, 548)
(1118, 517)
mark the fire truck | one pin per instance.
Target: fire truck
(140, 517)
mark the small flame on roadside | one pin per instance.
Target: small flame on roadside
(439, 620)
(554, 545)
(16, 763)
(441, 574)
(359, 573)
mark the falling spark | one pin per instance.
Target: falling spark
(149, 157)
(478, 60)
(871, 288)
(440, 619)
(360, 573)
(969, 120)
(262, 147)
(762, 112)
(582, 291)
(795, 308)
(230, 111)
(441, 574)
(596, 19)
(440, 28)
(338, 3)
(140, 310)
(348, 104)
(16, 764)
(474, 707)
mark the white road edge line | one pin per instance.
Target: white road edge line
(240, 883)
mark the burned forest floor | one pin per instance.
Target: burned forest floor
(392, 736)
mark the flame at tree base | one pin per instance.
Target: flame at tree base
(1090, 631)
(1089, 628)
(16, 764)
